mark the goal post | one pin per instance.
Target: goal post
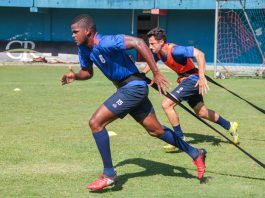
(239, 38)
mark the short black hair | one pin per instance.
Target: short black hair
(85, 21)
(158, 33)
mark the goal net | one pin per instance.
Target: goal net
(240, 38)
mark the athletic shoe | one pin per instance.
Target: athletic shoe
(183, 138)
(233, 131)
(168, 148)
(102, 182)
(200, 163)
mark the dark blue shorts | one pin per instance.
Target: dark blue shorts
(186, 91)
(131, 100)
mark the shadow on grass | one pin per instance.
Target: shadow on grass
(157, 168)
(195, 138)
(233, 175)
(151, 168)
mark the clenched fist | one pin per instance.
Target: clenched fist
(68, 78)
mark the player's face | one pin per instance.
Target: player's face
(155, 45)
(79, 34)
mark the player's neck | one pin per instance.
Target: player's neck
(91, 41)
(164, 49)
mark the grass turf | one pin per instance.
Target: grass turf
(47, 149)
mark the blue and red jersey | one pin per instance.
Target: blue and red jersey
(178, 58)
(110, 56)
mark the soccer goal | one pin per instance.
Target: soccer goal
(239, 38)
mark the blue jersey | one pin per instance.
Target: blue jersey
(109, 54)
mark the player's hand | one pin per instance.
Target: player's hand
(203, 85)
(68, 78)
(162, 83)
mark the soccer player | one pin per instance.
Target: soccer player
(108, 53)
(192, 83)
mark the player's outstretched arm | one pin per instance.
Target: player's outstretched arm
(83, 74)
(142, 48)
(202, 82)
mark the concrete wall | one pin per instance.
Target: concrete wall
(54, 25)
(187, 22)
(128, 4)
(183, 29)
(207, 4)
(98, 4)
(16, 3)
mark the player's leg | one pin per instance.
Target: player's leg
(97, 123)
(195, 101)
(117, 106)
(145, 115)
(154, 128)
(168, 106)
(202, 111)
(182, 93)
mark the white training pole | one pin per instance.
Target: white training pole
(216, 36)
(132, 21)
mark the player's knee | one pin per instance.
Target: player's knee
(91, 122)
(155, 133)
(202, 113)
(166, 105)
(94, 124)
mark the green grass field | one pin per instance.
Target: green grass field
(47, 150)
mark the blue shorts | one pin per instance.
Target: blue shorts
(186, 91)
(131, 100)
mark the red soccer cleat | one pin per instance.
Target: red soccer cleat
(102, 182)
(200, 163)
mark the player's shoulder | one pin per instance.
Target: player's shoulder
(109, 38)
(106, 41)
(177, 49)
(180, 48)
(186, 51)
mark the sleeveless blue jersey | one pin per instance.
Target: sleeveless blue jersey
(109, 54)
